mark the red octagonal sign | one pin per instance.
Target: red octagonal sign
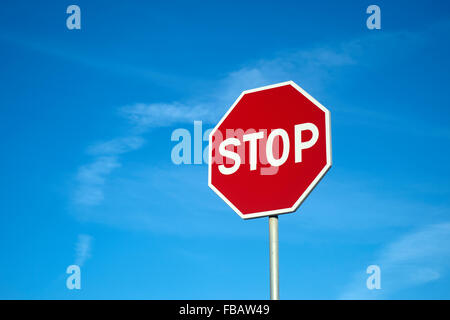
(269, 150)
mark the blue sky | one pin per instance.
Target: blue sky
(86, 118)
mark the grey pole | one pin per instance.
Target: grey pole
(274, 271)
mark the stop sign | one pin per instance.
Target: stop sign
(269, 150)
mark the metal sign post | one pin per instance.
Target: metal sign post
(274, 267)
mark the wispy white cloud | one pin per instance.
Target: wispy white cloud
(116, 146)
(83, 249)
(145, 116)
(91, 178)
(208, 108)
(417, 258)
(312, 67)
(308, 64)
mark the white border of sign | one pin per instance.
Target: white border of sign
(311, 186)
